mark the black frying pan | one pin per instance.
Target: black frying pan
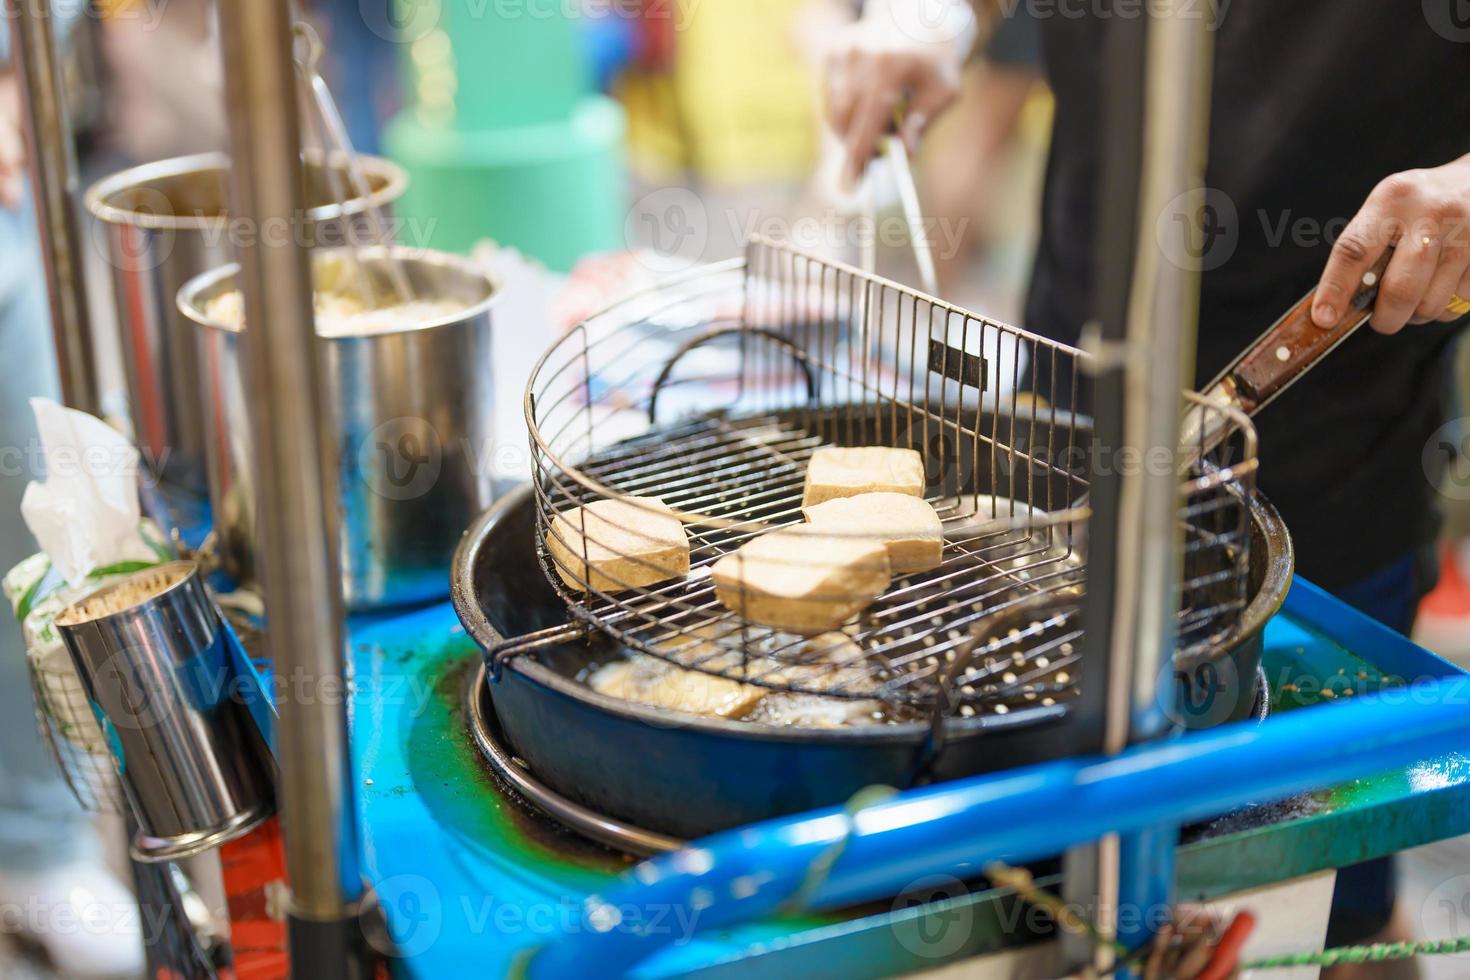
(688, 775)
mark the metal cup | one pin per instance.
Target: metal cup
(412, 421)
(161, 224)
(150, 650)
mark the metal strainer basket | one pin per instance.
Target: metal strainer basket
(712, 392)
(72, 737)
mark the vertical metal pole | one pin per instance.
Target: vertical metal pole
(296, 481)
(1163, 320)
(1136, 517)
(1091, 872)
(54, 185)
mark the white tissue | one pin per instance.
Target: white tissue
(85, 516)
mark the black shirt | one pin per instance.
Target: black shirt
(1314, 102)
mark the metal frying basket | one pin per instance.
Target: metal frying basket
(712, 392)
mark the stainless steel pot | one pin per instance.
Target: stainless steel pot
(159, 225)
(412, 414)
(150, 650)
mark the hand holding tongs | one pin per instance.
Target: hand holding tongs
(1289, 348)
(332, 133)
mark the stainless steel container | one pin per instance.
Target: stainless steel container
(158, 226)
(151, 654)
(411, 408)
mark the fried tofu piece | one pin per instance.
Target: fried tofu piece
(612, 545)
(908, 526)
(801, 579)
(846, 471)
(649, 680)
(830, 661)
(798, 710)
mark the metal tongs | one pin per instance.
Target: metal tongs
(908, 196)
(337, 145)
(1289, 348)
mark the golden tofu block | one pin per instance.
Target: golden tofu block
(801, 579)
(613, 545)
(846, 471)
(908, 526)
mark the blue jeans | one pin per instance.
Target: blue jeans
(41, 825)
(1362, 903)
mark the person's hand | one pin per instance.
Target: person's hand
(1425, 214)
(12, 143)
(876, 62)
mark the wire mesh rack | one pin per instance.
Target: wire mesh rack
(708, 397)
(69, 730)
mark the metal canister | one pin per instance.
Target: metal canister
(150, 650)
(159, 225)
(412, 414)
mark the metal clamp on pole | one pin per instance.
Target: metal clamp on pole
(296, 535)
(54, 183)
